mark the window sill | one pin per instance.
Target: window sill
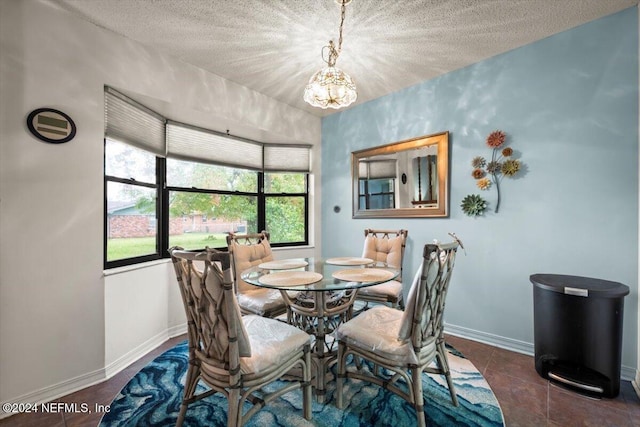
(126, 268)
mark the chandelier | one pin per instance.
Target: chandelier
(331, 87)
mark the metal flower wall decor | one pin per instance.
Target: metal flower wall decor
(473, 205)
(489, 173)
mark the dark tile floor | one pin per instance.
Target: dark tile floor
(525, 398)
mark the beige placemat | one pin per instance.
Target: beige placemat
(364, 275)
(290, 278)
(349, 260)
(283, 264)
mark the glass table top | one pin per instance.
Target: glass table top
(314, 274)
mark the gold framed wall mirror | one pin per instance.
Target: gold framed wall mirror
(403, 179)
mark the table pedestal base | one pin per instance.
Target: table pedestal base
(319, 314)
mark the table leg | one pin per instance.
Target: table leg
(321, 373)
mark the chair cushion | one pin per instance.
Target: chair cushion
(384, 249)
(271, 342)
(247, 256)
(392, 289)
(376, 330)
(261, 300)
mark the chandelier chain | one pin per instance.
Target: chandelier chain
(333, 52)
(342, 14)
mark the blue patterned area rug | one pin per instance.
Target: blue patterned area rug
(152, 398)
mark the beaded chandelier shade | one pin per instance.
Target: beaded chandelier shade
(331, 87)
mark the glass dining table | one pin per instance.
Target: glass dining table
(320, 295)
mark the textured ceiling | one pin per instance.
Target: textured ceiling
(274, 46)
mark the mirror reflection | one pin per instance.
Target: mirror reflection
(403, 179)
(424, 169)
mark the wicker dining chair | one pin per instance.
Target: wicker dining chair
(384, 246)
(248, 250)
(404, 343)
(235, 355)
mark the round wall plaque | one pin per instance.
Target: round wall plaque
(51, 125)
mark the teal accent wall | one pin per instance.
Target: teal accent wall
(569, 105)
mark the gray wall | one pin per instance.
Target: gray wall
(569, 105)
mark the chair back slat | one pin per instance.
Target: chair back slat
(437, 266)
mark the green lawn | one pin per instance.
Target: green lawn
(137, 246)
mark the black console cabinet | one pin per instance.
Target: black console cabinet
(578, 331)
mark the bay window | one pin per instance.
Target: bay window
(172, 184)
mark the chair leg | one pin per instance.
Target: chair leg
(341, 374)
(190, 383)
(234, 417)
(441, 356)
(183, 412)
(306, 391)
(418, 398)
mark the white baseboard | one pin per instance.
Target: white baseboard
(636, 383)
(61, 389)
(144, 348)
(491, 339)
(627, 373)
(134, 354)
(174, 331)
(56, 391)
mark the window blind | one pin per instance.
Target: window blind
(130, 122)
(187, 142)
(287, 158)
(133, 123)
(377, 169)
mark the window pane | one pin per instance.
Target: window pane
(197, 220)
(126, 161)
(377, 186)
(131, 221)
(381, 201)
(285, 183)
(362, 202)
(376, 194)
(285, 219)
(181, 173)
